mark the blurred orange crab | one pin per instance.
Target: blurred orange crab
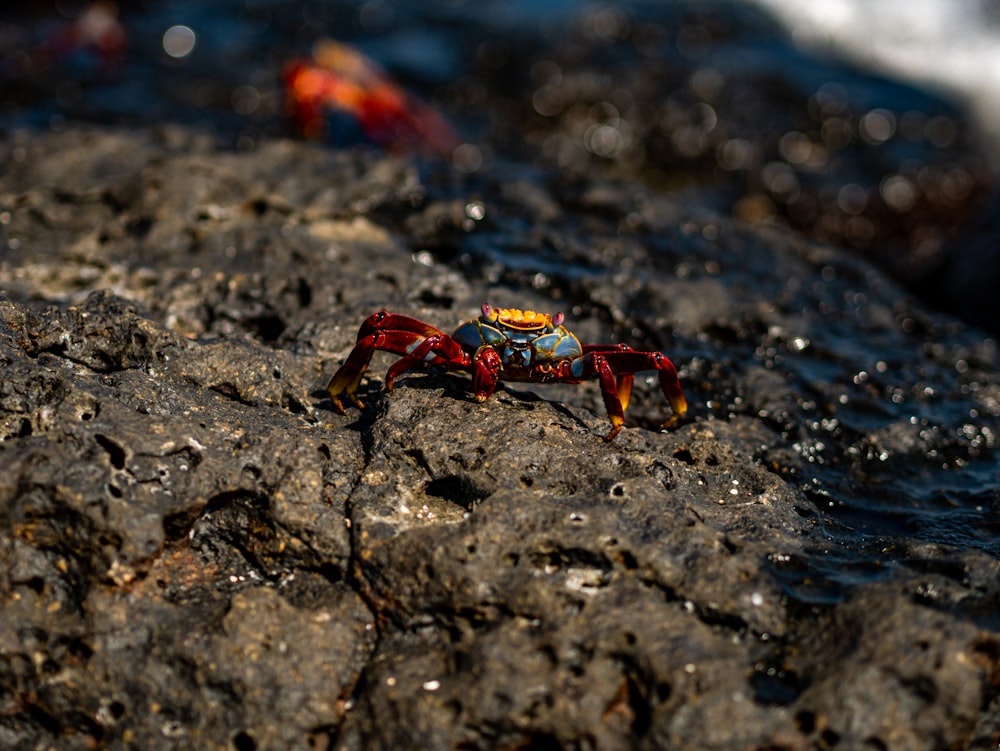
(339, 78)
(96, 36)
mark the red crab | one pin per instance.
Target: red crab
(340, 78)
(511, 345)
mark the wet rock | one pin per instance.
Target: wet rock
(891, 702)
(199, 551)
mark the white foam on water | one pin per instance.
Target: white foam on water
(952, 46)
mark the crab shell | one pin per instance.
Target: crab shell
(524, 339)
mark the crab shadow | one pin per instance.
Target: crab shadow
(373, 395)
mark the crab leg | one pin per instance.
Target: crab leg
(383, 331)
(670, 384)
(348, 377)
(620, 361)
(415, 341)
(383, 320)
(609, 391)
(625, 378)
(439, 349)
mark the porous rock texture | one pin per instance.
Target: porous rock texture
(197, 551)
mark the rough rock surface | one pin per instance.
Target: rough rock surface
(198, 552)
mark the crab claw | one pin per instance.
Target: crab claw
(485, 372)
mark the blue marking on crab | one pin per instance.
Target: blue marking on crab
(523, 339)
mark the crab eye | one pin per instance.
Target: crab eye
(558, 319)
(487, 310)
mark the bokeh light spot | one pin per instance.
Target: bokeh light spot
(179, 41)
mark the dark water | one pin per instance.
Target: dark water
(718, 106)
